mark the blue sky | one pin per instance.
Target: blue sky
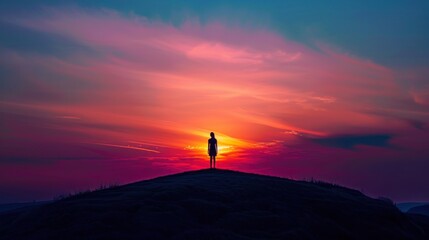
(393, 33)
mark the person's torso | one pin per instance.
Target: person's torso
(212, 142)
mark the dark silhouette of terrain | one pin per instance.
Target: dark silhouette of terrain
(11, 206)
(405, 206)
(216, 204)
(423, 209)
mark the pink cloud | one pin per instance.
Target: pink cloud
(262, 77)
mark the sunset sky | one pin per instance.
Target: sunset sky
(112, 92)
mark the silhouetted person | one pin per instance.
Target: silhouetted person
(212, 149)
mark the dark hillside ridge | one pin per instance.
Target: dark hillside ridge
(423, 210)
(216, 204)
(12, 206)
(405, 206)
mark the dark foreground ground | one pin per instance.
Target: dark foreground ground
(216, 204)
(423, 210)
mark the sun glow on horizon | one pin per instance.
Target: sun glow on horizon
(228, 146)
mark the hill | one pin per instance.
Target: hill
(405, 206)
(11, 206)
(216, 204)
(423, 209)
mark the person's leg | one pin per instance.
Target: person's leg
(210, 161)
(214, 161)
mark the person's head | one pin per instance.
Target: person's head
(212, 134)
